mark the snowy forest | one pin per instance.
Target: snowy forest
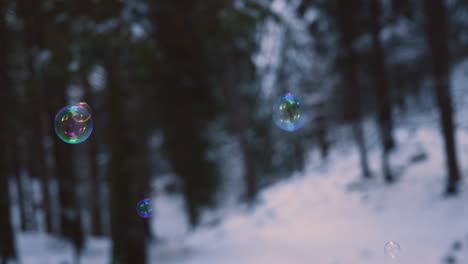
(233, 131)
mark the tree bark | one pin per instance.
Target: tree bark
(70, 213)
(348, 34)
(183, 79)
(384, 111)
(96, 206)
(127, 229)
(437, 34)
(7, 238)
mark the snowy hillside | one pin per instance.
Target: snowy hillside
(326, 216)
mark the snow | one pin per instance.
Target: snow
(326, 215)
(330, 216)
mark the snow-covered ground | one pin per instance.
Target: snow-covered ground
(330, 216)
(326, 215)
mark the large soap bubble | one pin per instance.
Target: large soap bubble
(74, 124)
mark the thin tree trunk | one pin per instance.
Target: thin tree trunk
(20, 195)
(38, 159)
(236, 123)
(70, 213)
(324, 144)
(29, 13)
(384, 119)
(95, 179)
(348, 34)
(7, 238)
(250, 171)
(437, 33)
(362, 149)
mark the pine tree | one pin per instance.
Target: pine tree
(384, 111)
(437, 35)
(33, 42)
(127, 230)
(347, 29)
(186, 105)
(7, 239)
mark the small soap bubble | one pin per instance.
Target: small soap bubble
(288, 113)
(83, 112)
(73, 124)
(144, 208)
(392, 249)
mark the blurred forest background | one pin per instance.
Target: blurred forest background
(173, 84)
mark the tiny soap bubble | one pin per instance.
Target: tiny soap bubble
(144, 208)
(83, 112)
(392, 249)
(288, 113)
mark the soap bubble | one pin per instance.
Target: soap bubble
(73, 124)
(392, 249)
(288, 113)
(83, 112)
(144, 208)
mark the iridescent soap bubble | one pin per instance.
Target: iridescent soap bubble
(73, 124)
(392, 249)
(83, 112)
(288, 113)
(144, 208)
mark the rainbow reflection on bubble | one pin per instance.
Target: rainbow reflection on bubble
(288, 113)
(83, 112)
(144, 208)
(73, 124)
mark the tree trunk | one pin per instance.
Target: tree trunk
(7, 238)
(437, 34)
(70, 213)
(96, 206)
(236, 121)
(362, 149)
(181, 74)
(31, 42)
(348, 34)
(127, 229)
(384, 115)
(20, 193)
(324, 144)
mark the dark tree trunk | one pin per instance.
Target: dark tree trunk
(348, 34)
(324, 144)
(384, 112)
(20, 191)
(138, 107)
(182, 76)
(7, 239)
(15, 163)
(358, 134)
(236, 124)
(36, 157)
(70, 215)
(127, 229)
(96, 200)
(251, 177)
(437, 34)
